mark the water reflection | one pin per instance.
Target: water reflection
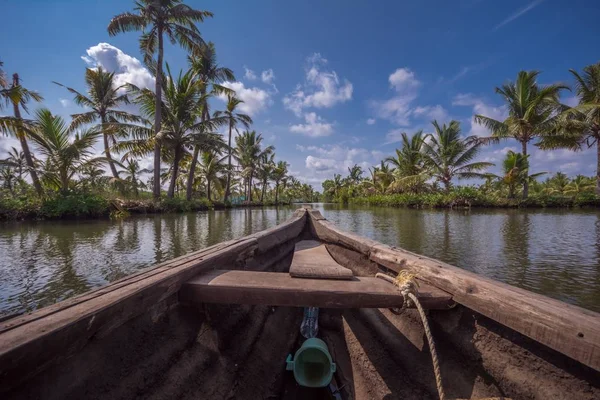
(551, 252)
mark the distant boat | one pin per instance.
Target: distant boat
(221, 322)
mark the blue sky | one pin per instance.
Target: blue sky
(331, 83)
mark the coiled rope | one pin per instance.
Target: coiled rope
(405, 281)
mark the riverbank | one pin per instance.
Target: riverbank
(467, 197)
(93, 206)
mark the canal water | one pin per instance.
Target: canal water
(552, 252)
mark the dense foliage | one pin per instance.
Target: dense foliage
(56, 174)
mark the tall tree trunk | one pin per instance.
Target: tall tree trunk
(276, 193)
(264, 189)
(526, 182)
(113, 169)
(158, 114)
(208, 189)
(25, 145)
(190, 179)
(597, 164)
(227, 186)
(171, 192)
(250, 185)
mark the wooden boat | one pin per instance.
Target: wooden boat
(219, 323)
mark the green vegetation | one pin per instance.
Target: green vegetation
(56, 174)
(421, 175)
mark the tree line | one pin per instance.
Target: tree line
(430, 163)
(175, 126)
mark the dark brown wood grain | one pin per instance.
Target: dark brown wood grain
(280, 289)
(312, 260)
(568, 329)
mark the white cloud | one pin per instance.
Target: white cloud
(65, 102)
(330, 159)
(127, 69)
(320, 164)
(371, 121)
(480, 107)
(255, 99)
(267, 76)
(403, 79)
(320, 89)
(249, 74)
(436, 112)
(314, 126)
(399, 109)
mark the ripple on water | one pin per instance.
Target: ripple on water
(556, 253)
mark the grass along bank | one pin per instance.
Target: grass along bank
(92, 205)
(464, 197)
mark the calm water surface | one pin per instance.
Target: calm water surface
(556, 253)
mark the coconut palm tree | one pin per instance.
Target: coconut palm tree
(265, 172)
(355, 174)
(580, 184)
(232, 118)
(279, 174)
(580, 125)
(211, 167)
(132, 174)
(204, 63)
(248, 153)
(409, 170)
(516, 171)
(157, 18)
(102, 97)
(8, 178)
(3, 80)
(446, 155)
(19, 96)
(16, 159)
(532, 112)
(65, 157)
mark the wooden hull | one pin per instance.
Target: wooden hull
(136, 339)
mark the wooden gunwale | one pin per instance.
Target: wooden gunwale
(31, 343)
(568, 329)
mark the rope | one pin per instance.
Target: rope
(408, 288)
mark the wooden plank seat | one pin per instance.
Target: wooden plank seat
(280, 289)
(312, 260)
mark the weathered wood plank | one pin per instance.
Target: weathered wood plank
(280, 289)
(312, 260)
(36, 341)
(568, 329)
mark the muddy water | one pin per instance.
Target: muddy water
(556, 253)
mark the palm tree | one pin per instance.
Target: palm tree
(102, 98)
(355, 174)
(580, 125)
(8, 177)
(204, 64)
(211, 168)
(19, 96)
(163, 17)
(232, 119)
(409, 170)
(248, 153)
(132, 173)
(446, 155)
(265, 172)
(516, 171)
(3, 80)
(16, 159)
(65, 157)
(532, 112)
(279, 174)
(580, 184)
